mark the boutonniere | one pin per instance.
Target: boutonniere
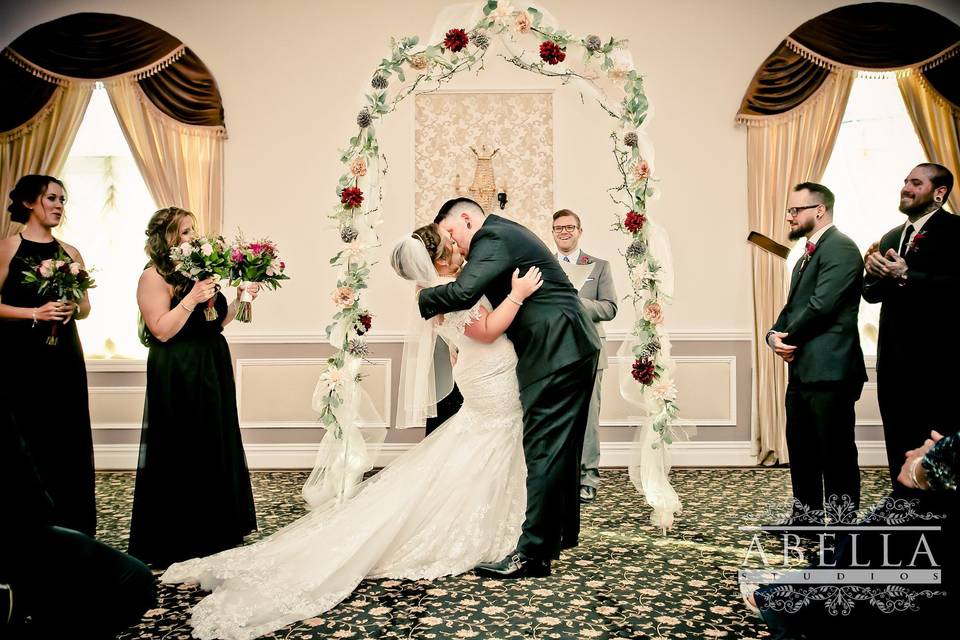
(811, 249)
(914, 244)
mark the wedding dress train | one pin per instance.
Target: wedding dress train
(456, 499)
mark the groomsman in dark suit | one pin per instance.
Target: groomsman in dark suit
(914, 271)
(816, 333)
(599, 300)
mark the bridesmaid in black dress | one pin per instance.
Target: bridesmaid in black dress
(46, 385)
(193, 495)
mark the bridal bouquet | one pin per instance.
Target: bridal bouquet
(257, 261)
(58, 278)
(201, 258)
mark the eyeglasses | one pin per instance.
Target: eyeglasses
(569, 228)
(793, 211)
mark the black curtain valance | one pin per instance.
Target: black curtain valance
(98, 46)
(874, 36)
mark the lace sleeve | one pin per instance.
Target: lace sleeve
(455, 323)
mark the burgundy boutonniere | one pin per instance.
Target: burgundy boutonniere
(583, 260)
(914, 243)
(811, 249)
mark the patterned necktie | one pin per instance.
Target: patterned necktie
(905, 245)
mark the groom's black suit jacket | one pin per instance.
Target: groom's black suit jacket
(820, 316)
(550, 330)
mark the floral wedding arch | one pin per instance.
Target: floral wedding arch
(604, 74)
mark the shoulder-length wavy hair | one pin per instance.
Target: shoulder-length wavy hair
(163, 233)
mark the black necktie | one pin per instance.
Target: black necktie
(906, 240)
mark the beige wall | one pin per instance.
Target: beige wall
(292, 74)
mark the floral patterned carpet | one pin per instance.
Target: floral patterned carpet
(626, 580)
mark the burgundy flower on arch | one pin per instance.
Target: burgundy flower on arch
(456, 40)
(351, 197)
(634, 222)
(551, 53)
(644, 371)
(364, 322)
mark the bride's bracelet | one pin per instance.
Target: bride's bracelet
(913, 472)
(188, 309)
(510, 298)
(34, 315)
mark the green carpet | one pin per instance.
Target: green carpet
(625, 580)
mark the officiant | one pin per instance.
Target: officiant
(592, 279)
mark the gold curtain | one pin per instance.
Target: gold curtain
(783, 151)
(181, 164)
(41, 145)
(937, 123)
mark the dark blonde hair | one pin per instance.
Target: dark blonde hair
(163, 233)
(566, 212)
(429, 235)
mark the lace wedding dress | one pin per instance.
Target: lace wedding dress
(456, 499)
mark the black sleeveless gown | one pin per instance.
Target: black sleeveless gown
(193, 495)
(45, 386)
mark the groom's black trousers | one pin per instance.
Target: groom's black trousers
(555, 412)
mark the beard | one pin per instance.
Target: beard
(920, 205)
(801, 230)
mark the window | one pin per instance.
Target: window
(876, 148)
(108, 207)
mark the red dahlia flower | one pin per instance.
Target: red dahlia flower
(351, 197)
(551, 53)
(456, 40)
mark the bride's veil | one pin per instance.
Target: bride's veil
(422, 383)
(343, 457)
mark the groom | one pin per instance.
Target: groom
(557, 349)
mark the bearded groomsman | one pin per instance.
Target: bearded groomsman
(914, 271)
(816, 333)
(599, 300)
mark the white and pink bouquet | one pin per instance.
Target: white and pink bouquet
(58, 278)
(201, 258)
(255, 261)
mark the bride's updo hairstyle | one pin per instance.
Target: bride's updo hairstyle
(428, 236)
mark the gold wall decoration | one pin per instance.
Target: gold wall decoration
(469, 143)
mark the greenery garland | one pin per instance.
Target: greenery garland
(429, 67)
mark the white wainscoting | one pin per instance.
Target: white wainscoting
(292, 384)
(718, 408)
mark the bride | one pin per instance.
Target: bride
(455, 500)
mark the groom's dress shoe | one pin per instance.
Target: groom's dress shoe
(515, 565)
(587, 494)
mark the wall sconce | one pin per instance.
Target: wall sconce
(502, 199)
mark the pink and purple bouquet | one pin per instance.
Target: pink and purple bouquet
(201, 258)
(256, 261)
(58, 278)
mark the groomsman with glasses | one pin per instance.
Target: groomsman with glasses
(817, 335)
(599, 301)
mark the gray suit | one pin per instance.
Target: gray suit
(599, 300)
